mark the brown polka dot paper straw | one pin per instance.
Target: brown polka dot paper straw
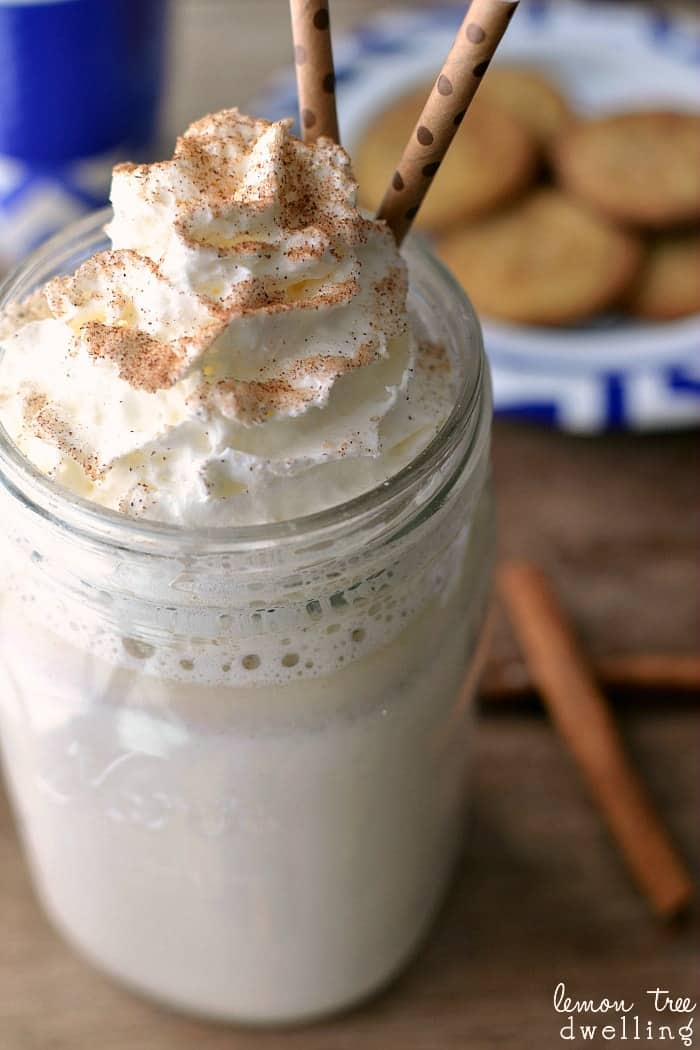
(478, 37)
(313, 59)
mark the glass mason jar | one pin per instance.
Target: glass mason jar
(238, 756)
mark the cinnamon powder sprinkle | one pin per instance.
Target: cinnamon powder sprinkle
(277, 226)
(47, 424)
(253, 401)
(143, 362)
(433, 357)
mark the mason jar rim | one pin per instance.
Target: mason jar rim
(110, 528)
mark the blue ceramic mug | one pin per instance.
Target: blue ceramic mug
(80, 83)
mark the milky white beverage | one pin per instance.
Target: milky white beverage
(246, 557)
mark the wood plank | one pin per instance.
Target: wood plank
(611, 519)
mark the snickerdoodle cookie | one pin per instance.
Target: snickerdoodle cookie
(544, 260)
(530, 97)
(639, 168)
(668, 285)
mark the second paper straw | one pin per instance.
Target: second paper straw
(477, 39)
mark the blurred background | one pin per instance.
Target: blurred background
(591, 323)
(597, 382)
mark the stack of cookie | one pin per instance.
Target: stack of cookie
(547, 218)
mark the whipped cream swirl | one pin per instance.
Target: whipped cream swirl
(242, 354)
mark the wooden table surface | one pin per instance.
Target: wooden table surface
(542, 895)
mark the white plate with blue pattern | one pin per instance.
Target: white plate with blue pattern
(613, 373)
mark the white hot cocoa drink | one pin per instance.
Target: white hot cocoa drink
(247, 550)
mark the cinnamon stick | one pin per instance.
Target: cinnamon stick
(679, 672)
(652, 670)
(579, 711)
